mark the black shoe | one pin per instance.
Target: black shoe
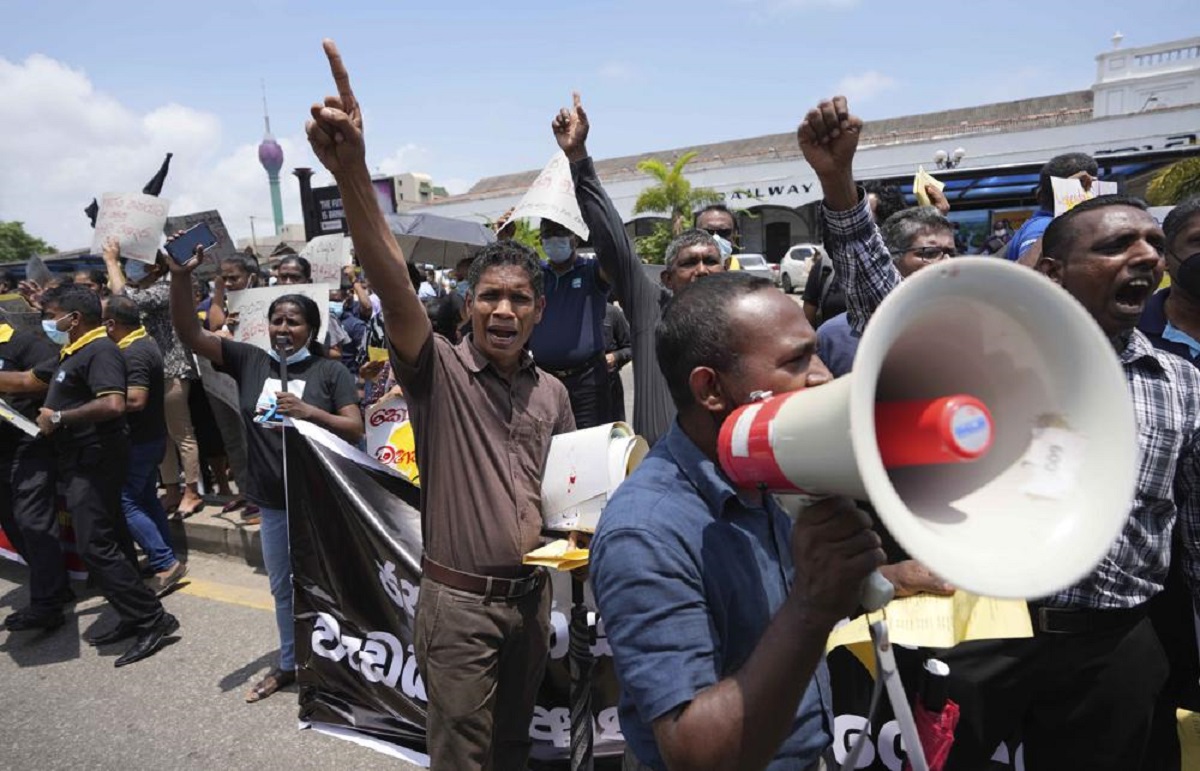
(150, 641)
(122, 631)
(27, 618)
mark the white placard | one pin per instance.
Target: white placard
(552, 195)
(390, 437)
(136, 220)
(251, 306)
(1069, 193)
(583, 470)
(11, 416)
(328, 255)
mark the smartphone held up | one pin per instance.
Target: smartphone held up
(184, 246)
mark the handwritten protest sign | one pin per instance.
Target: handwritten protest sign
(390, 436)
(224, 248)
(1069, 193)
(251, 307)
(552, 195)
(328, 255)
(136, 220)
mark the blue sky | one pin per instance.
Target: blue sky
(463, 90)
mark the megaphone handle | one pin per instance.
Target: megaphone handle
(876, 592)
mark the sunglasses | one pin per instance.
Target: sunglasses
(725, 233)
(931, 253)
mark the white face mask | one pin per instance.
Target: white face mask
(726, 247)
(293, 358)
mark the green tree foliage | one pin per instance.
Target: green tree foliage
(16, 245)
(653, 248)
(1174, 183)
(673, 195)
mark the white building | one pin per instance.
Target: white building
(1142, 112)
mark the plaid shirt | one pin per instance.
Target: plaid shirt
(1165, 391)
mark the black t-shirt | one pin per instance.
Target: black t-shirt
(86, 373)
(144, 370)
(324, 383)
(21, 351)
(824, 290)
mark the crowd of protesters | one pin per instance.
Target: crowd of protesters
(121, 383)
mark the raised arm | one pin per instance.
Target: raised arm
(183, 311)
(619, 263)
(336, 135)
(829, 138)
(112, 265)
(216, 308)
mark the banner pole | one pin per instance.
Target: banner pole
(580, 643)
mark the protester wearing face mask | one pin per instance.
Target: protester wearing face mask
(146, 286)
(719, 222)
(319, 390)
(569, 342)
(84, 414)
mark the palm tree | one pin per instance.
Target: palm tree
(1174, 183)
(673, 194)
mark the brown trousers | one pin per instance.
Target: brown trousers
(482, 663)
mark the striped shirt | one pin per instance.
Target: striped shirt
(1165, 391)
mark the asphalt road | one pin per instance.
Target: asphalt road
(64, 706)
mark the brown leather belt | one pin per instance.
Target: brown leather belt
(488, 587)
(587, 366)
(1047, 620)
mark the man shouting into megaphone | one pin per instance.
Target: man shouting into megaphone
(717, 608)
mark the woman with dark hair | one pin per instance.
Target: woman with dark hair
(319, 390)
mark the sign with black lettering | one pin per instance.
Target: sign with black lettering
(327, 206)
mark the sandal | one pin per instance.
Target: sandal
(233, 505)
(275, 679)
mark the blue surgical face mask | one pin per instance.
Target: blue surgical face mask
(56, 335)
(135, 270)
(725, 246)
(558, 248)
(294, 358)
(336, 309)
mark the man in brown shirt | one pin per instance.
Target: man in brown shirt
(483, 416)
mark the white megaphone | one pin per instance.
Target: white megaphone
(1014, 487)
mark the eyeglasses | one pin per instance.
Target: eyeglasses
(725, 233)
(933, 253)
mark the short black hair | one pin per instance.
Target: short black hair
(244, 262)
(1056, 241)
(311, 314)
(97, 277)
(694, 330)
(1179, 217)
(500, 253)
(445, 315)
(718, 207)
(888, 199)
(8, 278)
(414, 275)
(1062, 166)
(305, 265)
(74, 298)
(124, 311)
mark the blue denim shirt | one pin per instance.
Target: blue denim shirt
(687, 578)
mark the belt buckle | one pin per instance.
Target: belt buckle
(1045, 621)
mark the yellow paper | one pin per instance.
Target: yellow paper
(558, 555)
(920, 180)
(1189, 737)
(377, 354)
(930, 621)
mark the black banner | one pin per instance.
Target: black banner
(356, 546)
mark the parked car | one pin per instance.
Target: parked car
(793, 268)
(756, 264)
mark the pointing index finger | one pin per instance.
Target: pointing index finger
(340, 76)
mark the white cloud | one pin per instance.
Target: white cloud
(406, 159)
(66, 143)
(864, 86)
(616, 70)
